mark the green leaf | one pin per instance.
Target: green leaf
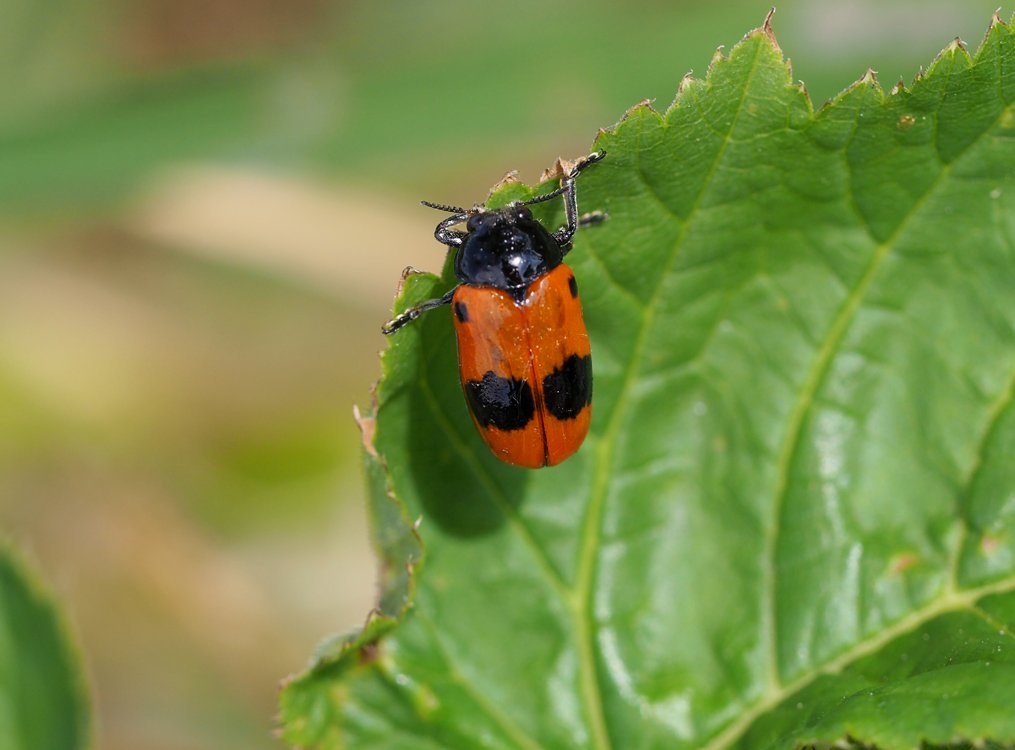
(792, 520)
(43, 705)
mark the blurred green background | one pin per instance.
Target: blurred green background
(205, 206)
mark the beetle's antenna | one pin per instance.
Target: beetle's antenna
(443, 207)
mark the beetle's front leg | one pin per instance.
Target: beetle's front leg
(565, 234)
(415, 311)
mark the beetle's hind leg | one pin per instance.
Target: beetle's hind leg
(415, 311)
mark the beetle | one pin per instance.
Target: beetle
(523, 351)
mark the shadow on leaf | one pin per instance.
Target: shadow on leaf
(463, 488)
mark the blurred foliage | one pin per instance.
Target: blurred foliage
(402, 96)
(43, 704)
(204, 208)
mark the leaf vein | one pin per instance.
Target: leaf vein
(815, 378)
(592, 523)
(507, 725)
(988, 618)
(953, 602)
(522, 531)
(997, 410)
(605, 271)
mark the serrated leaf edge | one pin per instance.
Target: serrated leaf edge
(869, 80)
(361, 647)
(956, 600)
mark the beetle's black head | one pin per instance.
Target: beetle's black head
(506, 248)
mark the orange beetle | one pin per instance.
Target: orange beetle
(523, 351)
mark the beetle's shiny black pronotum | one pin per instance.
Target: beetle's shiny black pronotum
(523, 351)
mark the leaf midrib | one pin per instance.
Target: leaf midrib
(951, 600)
(592, 525)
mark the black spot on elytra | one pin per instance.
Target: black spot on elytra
(461, 312)
(504, 403)
(568, 389)
(573, 286)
